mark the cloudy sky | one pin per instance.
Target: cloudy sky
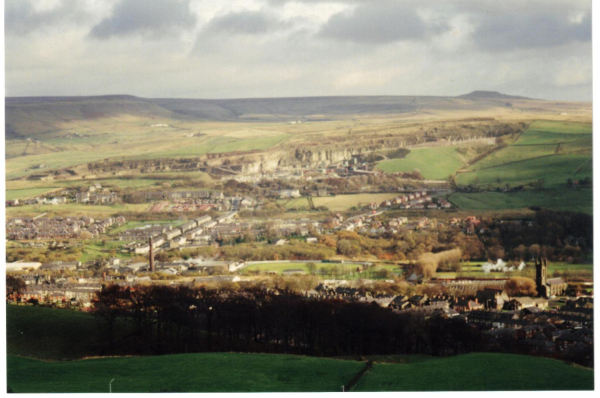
(281, 48)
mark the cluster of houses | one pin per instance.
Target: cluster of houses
(180, 195)
(418, 200)
(42, 200)
(320, 171)
(206, 230)
(194, 232)
(286, 193)
(117, 271)
(56, 288)
(94, 194)
(216, 203)
(44, 288)
(491, 310)
(300, 227)
(541, 329)
(26, 228)
(367, 224)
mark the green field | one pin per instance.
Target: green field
(50, 334)
(126, 137)
(551, 151)
(577, 200)
(339, 202)
(249, 144)
(552, 126)
(477, 372)
(554, 170)
(12, 194)
(538, 138)
(136, 181)
(514, 153)
(93, 250)
(432, 163)
(74, 209)
(214, 372)
(232, 372)
(219, 144)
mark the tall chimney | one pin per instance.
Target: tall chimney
(151, 254)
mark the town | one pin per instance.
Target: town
(298, 196)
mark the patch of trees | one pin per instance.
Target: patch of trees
(269, 209)
(429, 263)
(165, 320)
(399, 153)
(564, 236)
(14, 285)
(42, 255)
(519, 286)
(295, 250)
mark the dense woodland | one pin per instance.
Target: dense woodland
(153, 320)
(163, 320)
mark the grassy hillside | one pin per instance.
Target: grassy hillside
(554, 170)
(548, 150)
(48, 333)
(478, 372)
(552, 126)
(212, 372)
(432, 163)
(22, 189)
(514, 153)
(234, 372)
(26, 193)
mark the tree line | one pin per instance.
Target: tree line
(164, 320)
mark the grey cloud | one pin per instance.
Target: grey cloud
(535, 30)
(242, 53)
(384, 23)
(246, 22)
(282, 2)
(154, 18)
(21, 18)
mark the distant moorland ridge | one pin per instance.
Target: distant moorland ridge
(29, 116)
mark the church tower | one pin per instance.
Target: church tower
(540, 276)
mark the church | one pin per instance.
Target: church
(547, 287)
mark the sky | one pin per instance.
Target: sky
(297, 48)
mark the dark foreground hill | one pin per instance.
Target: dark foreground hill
(60, 335)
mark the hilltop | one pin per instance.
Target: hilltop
(490, 95)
